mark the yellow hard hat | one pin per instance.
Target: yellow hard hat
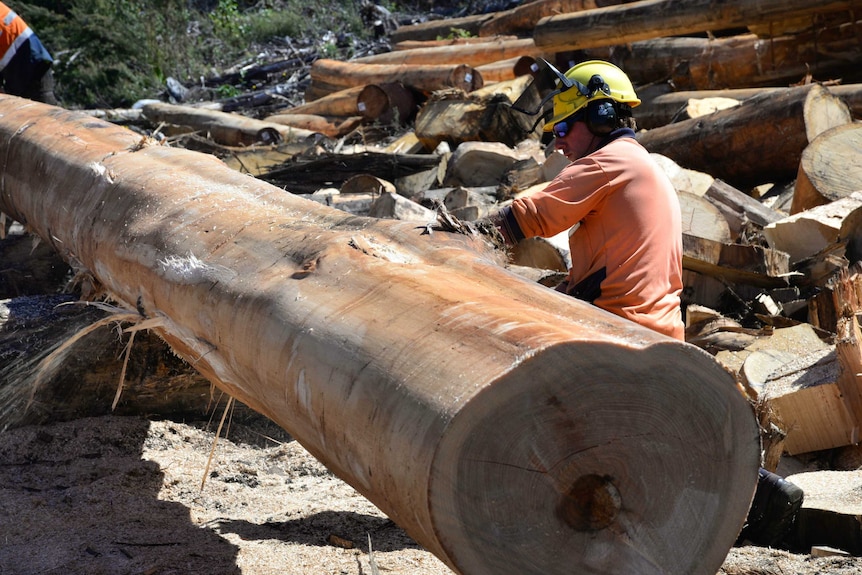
(587, 81)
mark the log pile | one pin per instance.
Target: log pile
(754, 114)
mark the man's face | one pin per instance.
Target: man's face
(573, 138)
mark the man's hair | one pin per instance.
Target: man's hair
(625, 119)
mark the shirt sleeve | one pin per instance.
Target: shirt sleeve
(575, 192)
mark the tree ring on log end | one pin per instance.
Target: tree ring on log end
(595, 457)
(592, 503)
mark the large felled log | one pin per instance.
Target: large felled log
(340, 103)
(434, 29)
(505, 427)
(800, 24)
(328, 76)
(759, 141)
(615, 25)
(388, 102)
(225, 128)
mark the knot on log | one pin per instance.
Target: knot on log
(591, 504)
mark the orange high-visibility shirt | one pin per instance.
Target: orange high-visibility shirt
(13, 33)
(629, 218)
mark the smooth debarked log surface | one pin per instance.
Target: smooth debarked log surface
(504, 426)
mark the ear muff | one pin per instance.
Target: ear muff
(601, 117)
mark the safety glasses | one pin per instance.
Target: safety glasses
(561, 129)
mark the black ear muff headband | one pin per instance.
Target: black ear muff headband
(595, 85)
(544, 81)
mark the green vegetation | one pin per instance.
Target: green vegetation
(455, 33)
(110, 53)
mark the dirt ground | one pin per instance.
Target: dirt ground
(122, 495)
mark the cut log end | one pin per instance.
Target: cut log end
(581, 460)
(828, 170)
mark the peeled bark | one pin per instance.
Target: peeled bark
(616, 25)
(507, 428)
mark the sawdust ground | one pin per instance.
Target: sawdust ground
(122, 495)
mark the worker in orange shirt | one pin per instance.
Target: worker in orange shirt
(25, 64)
(626, 247)
(626, 243)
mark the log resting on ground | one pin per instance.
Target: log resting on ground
(506, 427)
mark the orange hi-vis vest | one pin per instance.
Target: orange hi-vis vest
(13, 33)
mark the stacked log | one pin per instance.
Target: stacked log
(775, 125)
(617, 25)
(330, 324)
(329, 76)
(737, 61)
